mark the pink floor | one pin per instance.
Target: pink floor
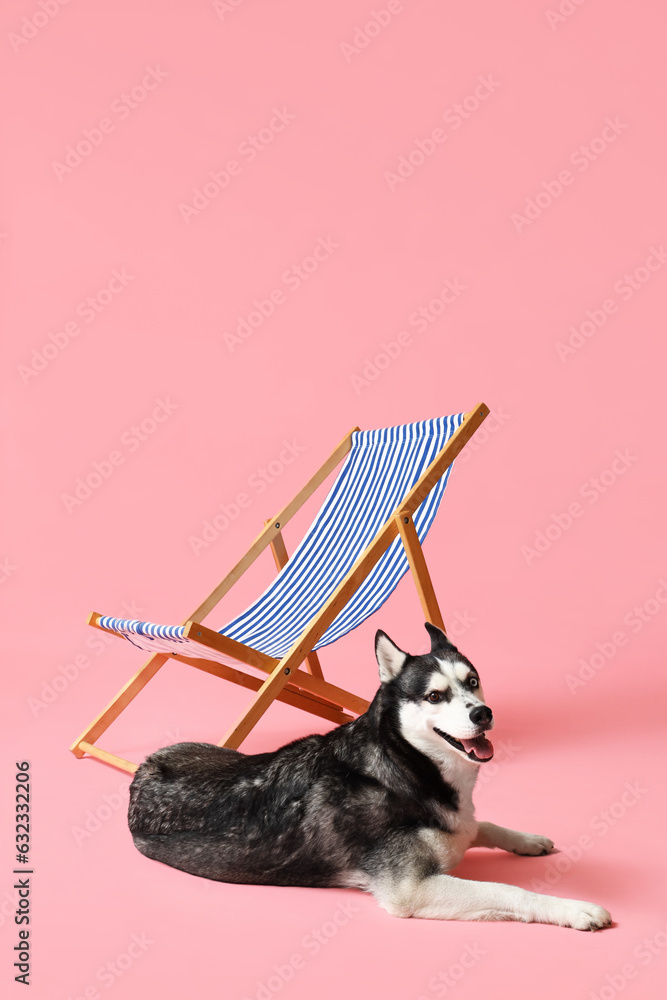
(231, 232)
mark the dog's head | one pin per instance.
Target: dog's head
(439, 698)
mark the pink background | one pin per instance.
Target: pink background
(361, 98)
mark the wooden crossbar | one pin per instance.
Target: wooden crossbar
(108, 758)
(316, 685)
(291, 694)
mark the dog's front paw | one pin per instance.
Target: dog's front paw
(583, 916)
(532, 844)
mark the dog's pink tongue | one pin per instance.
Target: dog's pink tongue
(482, 747)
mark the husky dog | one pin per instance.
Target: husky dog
(382, 803)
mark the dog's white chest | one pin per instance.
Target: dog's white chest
(461, 822)
(465, 831)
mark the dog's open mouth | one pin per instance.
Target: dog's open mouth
(479, 749)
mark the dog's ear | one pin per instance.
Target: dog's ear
(439, 641)
(390, 658)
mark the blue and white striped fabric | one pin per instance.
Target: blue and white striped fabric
(380, 469)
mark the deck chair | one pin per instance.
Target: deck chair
(365, 537)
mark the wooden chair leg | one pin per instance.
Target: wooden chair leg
(280, 558)
(273, 684)
(422, 577)
(126, 694)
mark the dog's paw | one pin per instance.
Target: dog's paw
(532, 844)
(583, 916)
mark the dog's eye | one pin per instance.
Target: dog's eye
(434, 697)
(473, 682)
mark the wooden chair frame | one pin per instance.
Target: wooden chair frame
(306, 689)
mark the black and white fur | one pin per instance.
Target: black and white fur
(383, 803)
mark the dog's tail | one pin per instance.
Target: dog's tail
(161, 792)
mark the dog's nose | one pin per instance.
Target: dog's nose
(481, 715)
